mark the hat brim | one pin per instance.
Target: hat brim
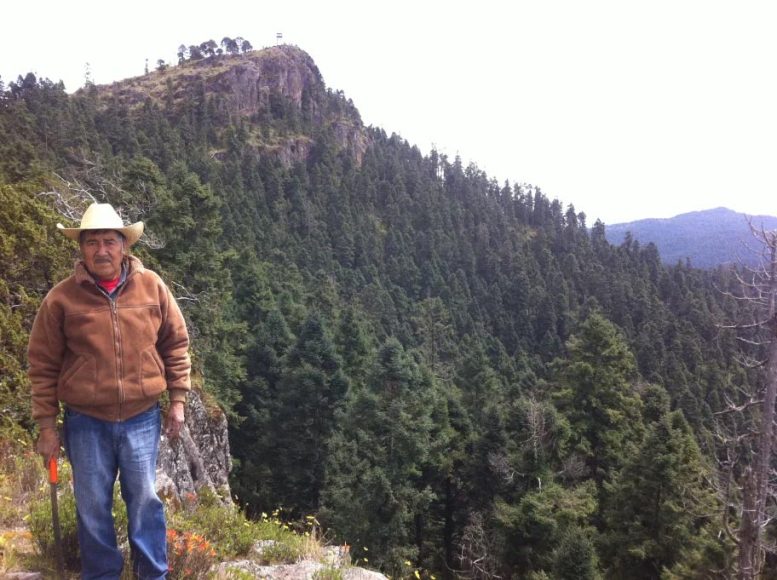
(131, 233)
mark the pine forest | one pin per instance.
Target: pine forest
(449, 371)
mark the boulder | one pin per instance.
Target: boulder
(199, 457)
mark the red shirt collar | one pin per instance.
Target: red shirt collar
(109, 285)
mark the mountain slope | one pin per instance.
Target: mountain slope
(707, 238)
(404, 348)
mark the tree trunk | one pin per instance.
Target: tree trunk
(748, 531)
(450, 563)
(756, 491)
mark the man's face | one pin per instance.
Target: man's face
(103, 251)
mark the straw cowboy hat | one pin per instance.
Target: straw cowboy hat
(102, 216)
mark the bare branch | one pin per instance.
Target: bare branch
(732, 408)
(476, 552)
(748, 362)
(186, 295)
(500, 465)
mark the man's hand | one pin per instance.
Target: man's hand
(174, 419)
(48, 444)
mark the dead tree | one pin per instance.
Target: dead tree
(476, 551)
(71, 197)
(754, 443)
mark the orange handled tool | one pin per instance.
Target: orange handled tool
(53, 480)
(53, 470)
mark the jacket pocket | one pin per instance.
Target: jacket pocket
(152, 373)
(78, 383)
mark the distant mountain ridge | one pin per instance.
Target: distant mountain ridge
(707, 238)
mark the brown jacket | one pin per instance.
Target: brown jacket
(110, 359)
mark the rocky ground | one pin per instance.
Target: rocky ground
(335, 561)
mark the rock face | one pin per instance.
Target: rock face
(199, 457)
(285, 77)
(278, 82)
(251, 83)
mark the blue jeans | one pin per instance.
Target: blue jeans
(98, 451)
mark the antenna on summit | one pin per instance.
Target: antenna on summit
(278, 37)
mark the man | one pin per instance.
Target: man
(106, 342)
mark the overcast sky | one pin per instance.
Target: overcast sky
(624, 109)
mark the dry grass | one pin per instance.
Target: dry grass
(22, 478)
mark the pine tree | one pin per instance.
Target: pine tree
(352, 339)
(660, 503)
(252, 437)
(311, 389)
(187, 220)
(596, 395)
(33, 257)
(532, 530)
(575, 558)
(374, 482)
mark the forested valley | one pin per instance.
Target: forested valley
(452, 373)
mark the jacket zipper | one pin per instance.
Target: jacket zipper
(119, 358)
(117, 347)
(118, 344)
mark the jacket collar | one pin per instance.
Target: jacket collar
(133, 264)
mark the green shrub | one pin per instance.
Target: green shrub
(42, 529)
(280, 553)
(224, 526)
(43, 532)
(329, 573)
(233, 535)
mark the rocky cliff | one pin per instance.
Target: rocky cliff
(279, 87)
(199, 457)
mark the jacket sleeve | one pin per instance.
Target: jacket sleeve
(45, 352)
(173, 347)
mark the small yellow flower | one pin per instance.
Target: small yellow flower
(417, 575)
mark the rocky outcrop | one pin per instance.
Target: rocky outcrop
(259, 87)
(285, 76)
(304, 570)
(332, 558)
(199, 457)
(251, 82)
